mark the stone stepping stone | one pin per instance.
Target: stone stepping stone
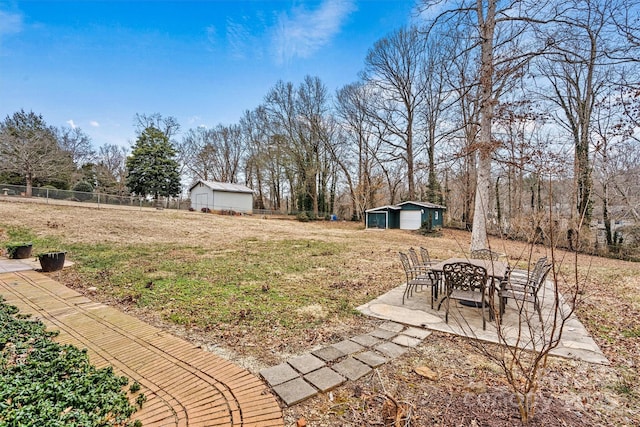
(417, 332)
(406, 341)
(348, 346)
(328, 354)
(371, 358)
(279, 374)
(294, 391)
(390, 349)
(382, 334)
(325, 379)
(352, 368)
(306, 363)
(392, 326)
(366, 340)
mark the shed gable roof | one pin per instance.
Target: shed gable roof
(384, 208)
(399, 206)
(223, 186)
(422, 204)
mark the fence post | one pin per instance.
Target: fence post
(47, 196)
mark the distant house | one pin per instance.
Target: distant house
(405, 215)
(221, 196)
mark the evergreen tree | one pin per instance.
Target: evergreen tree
(152, 168)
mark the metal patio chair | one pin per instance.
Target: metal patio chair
(467, 282)
(525, 288)
(417, 276)
(426, 258)
(485, 254)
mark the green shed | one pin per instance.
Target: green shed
(406, 216)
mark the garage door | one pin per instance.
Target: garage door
(410, 220)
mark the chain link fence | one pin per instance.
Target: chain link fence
(54, 195)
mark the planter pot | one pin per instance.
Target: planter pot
(52, 261)
(19, 251)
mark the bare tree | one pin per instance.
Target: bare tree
(227, 150)
(28, 147)
(77, 143)
(264, 168)
(616, 163)
(438, 98)
(608, 135)
(357, 134)
(195, 155)
(297, 116)
(393, 66)
(519, 127)
(580, 74)
(460, 152)
(168, 125)
(624, 162)
(214, 154)
(110, 169)
(627, 22)
(502, 34)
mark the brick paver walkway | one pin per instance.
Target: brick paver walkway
(184, 385)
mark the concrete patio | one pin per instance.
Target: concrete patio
(575, 342)
(408, 325)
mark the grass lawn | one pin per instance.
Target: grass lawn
(260, 290)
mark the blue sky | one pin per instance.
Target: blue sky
(95, 64)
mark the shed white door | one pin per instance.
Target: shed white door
(410, 220)
(201, 201)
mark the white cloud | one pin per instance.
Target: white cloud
(94, 124)
(244, 36)
(10, 23)
(71, 124)
(302, 32)
(211, 34)
(239, 38)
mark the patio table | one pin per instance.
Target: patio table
(496, 270)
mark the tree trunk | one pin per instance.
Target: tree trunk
(486, 23)
(260, 203)
(29, 190)
(498, 208)
(435, 193)
(481, 207)
(410, 160)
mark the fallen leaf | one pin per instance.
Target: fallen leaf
(426, 372)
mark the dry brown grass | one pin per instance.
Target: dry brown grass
(365, 267)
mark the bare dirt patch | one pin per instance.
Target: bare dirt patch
(468, 391)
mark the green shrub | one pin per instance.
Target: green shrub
(43, 383)
(83, 191)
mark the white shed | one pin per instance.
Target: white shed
(221, 196)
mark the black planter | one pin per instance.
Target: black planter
(52, 261)
(20, 252)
